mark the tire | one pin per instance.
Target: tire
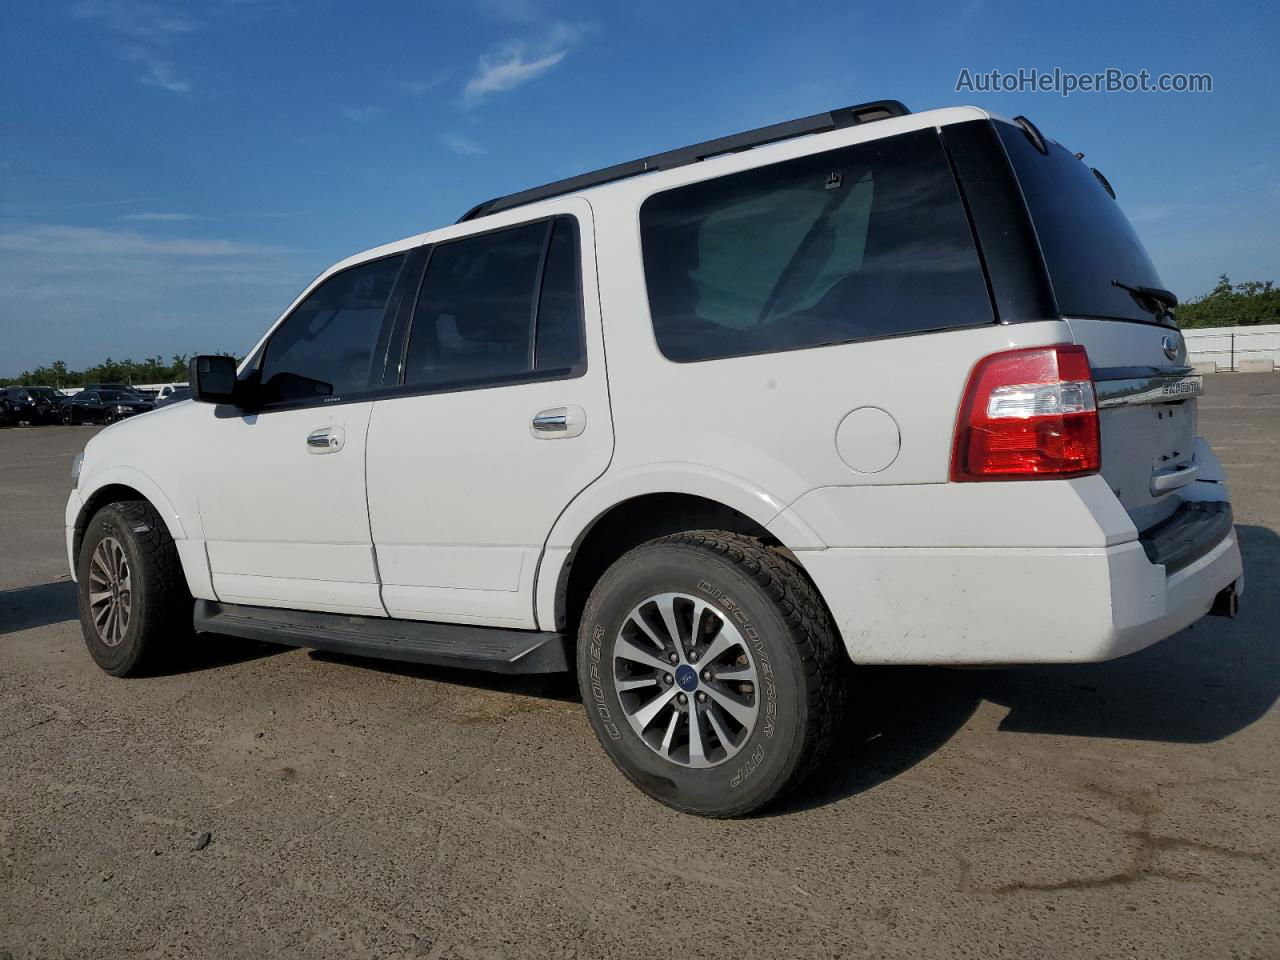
(769, 624)
(68, 417)
(130, 538)
(108, 417)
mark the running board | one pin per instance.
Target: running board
(495, 649)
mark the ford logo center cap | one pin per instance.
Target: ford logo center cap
(687, 678)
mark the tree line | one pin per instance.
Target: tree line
(1232, 305)
(150, 370)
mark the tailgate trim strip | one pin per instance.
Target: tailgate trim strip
(1157, 388)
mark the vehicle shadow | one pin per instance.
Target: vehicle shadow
(1202, 685)
(546, 686)
(37, 606)
(46, 604)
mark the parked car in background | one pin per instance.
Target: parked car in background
(31, 405)
(172, 394)
(118, 387)
(49, 401)
(104, 406)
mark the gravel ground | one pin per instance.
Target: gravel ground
(260, 801)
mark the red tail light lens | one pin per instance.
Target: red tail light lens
(1028, 414)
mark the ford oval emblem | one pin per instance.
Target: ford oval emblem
(1170, 346)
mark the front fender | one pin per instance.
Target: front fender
(124, 475)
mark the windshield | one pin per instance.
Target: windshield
(1089, 245)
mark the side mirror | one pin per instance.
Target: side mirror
(213, 379)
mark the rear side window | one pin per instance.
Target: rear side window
(331, 335)
(868, 241)
(1085, 237)
(500, 306)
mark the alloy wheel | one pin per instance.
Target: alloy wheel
(110, 591)
(686, 679)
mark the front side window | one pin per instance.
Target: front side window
(498, 307)
(866, 241)
(330, 338)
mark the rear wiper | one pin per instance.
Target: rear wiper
(1165, 298)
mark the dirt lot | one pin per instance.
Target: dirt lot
(1128, 809)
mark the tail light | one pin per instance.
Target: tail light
(1028, 414)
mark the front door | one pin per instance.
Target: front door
(502, 417)
(281, 492)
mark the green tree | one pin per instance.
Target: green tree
(1230, 305)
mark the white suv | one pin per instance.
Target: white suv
(867, 387)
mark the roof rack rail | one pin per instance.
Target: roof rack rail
(818, 123)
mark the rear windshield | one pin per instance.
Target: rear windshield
(1086, 239)
(867, 241)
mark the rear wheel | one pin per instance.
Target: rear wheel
(134, 602)
(711, 672)
(109, 416)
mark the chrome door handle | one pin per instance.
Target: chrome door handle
(557, 422)
(326, 440)
(551, 421)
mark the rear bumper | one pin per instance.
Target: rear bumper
(1014, 605)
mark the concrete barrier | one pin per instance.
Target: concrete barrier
(1208, 366)
(1256, 365)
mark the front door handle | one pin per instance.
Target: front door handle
(556, 422)
(326, 440)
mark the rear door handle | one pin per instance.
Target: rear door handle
(326, 440)
(556, 422)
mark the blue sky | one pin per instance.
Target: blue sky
(172, 175)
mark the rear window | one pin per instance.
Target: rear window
(867, 241)
(1086, 239)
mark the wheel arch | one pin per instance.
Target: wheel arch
(125, 483)
(642, 505)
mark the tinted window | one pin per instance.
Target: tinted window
(559, 322)
(330, 337)
(868, 241)
(475, 320)
(1086, 239)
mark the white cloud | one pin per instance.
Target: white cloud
(417, 88)
(162, 75)
(144, 32)
(517, 62)
(148, 216)
(138, 18)
(55, 239)
(464, 146)
(362, 114)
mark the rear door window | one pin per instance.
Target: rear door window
(503, 306)
(867, 241)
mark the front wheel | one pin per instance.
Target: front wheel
(68, 416)
(711, 672)
(133, 596)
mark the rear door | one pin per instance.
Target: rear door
(1106, 287)
(500, 417)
